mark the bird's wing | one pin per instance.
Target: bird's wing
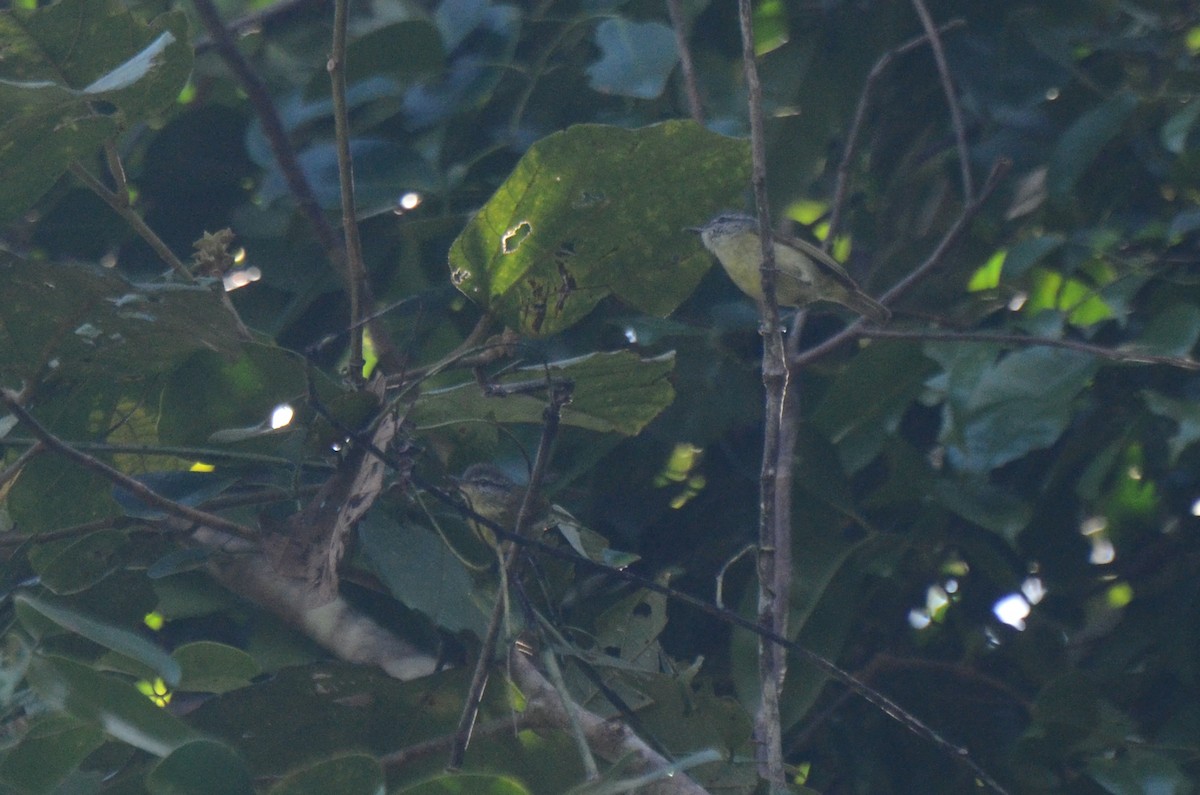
(822, 260)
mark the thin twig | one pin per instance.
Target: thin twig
(462, 735)
(273, 129)
(686, 65)
(825, 665)
(841, 186)
(774, 524)
(611, 741)
(204, 454)
(13, 401)
(259, 20)
(120, 205)
(854, 329)
(1128, 355)
(356, 269)
(13, 469)
(960, 133)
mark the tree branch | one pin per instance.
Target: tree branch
(960, 133)
(952, 236)
(13, 401)
(686, 65)
(1127, 355)
(559, 397)
(120, 205)
(774, 524)
(356, 269)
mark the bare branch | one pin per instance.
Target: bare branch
(119, 202)
(774, 523)
(611, 741)
(1128, 355)
(686, 65)
(960, 133)
(952, 236)
(356, 269)
(140, 490)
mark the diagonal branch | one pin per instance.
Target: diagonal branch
(841, 186)
(140, 490)
(932, 262)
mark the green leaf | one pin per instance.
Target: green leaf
(210, 393)
(59, 62)
(108, 702)
(81, 563)
(51, 749)
(1138, 772)
(865, 403)
(1002, 411)
(460, 783)
(1172, 331)
(77, 322)
(198, 768)
(209, 667)
(985, 504)
(1184, 413)
(1084, 140)
(613, 392)
(421, 571)
(636, 58)
(595, 211)
(111, 637)
(353, 774)
(1175, 130)
(1027, 253)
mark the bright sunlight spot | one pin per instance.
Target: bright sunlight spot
(918, 619)
(156, 691)
(1102, 552)
(632, 338)
(281, 416)
(154, 621)
(1033, 589)
(1012, 610)
(1196, 507)
(410, 201)
(200, 466)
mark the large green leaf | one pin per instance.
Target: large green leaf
(998, 412)
(352, 774)
(112, 637)
(63, 66)
(52, 747)
(595, 211)
(422, 572)
(200, 767)
(78, 321)
(108, 702)
(613, 392)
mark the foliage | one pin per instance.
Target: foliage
(1023, 432)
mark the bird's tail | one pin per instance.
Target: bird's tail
(868, 307)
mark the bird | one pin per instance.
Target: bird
(806, 274)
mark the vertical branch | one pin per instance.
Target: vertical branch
(774, 542)
(960, 134)
(356, 270)
(298, 184)
(560, 395)
(686, 65)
